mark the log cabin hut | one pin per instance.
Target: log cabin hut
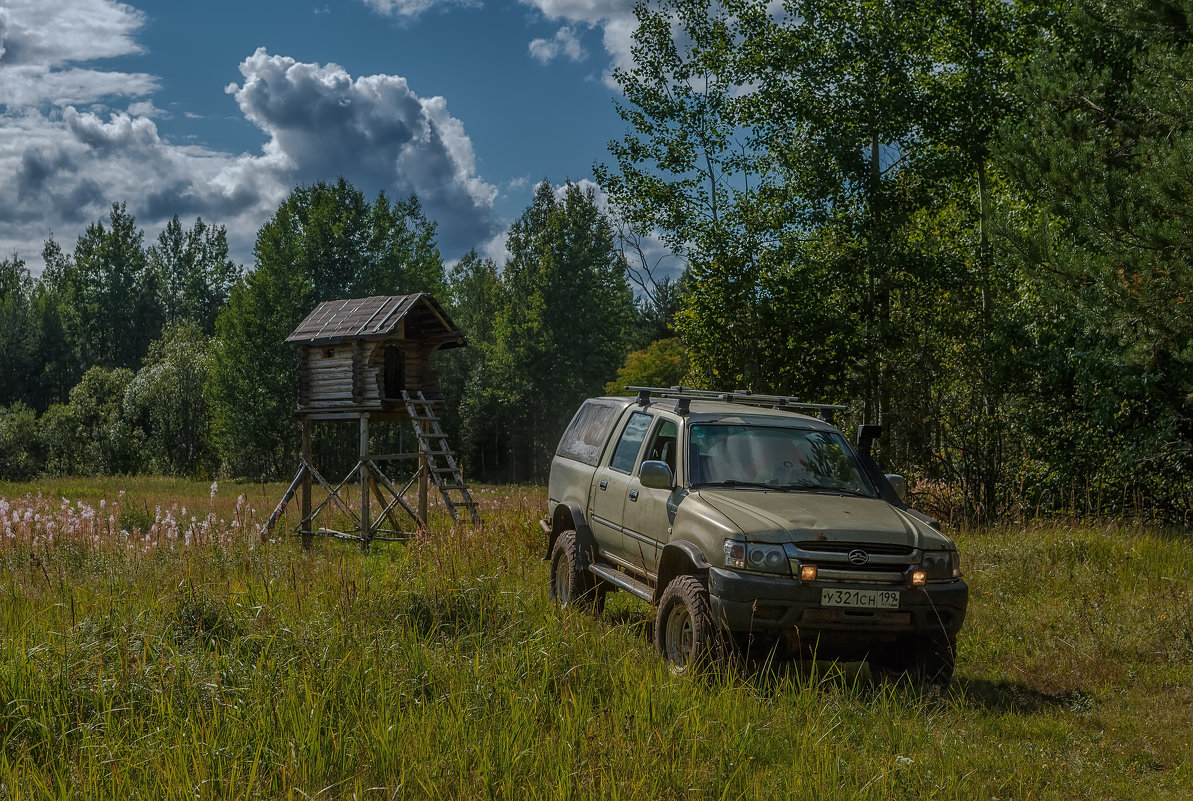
(364, 360)
(358, 355)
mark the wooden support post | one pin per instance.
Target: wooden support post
(306, 524)
(424, 478)
(281, 507)
(366, 479)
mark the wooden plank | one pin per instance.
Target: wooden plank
(325, 401)
(366, 481)
(386, 508)
(307, 458)
(384, 479)
(281, 507)
(343, 376)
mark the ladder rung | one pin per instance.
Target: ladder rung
(433, 445)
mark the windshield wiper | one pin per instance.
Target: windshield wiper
(822, 488)
(733, 482)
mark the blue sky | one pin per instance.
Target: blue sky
(219, 108)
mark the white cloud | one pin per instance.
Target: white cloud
(564, 43)
(412, 8)
(587, 11)
(38, 38)
(53, 32)
(374, 131)
(76, 140)
(497, 248)
(34, 86)
(146, 108)
(587, 187)
(615, 18)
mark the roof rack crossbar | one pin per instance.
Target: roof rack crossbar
(736, 396)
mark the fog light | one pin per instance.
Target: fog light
(807, 573)
(919, 578)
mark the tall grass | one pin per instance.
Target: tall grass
(203, 662)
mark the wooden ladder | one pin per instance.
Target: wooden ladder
(441, 462)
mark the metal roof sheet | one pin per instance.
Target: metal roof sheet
(364, 318)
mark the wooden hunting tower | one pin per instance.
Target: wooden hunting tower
(359, 355)
(370, 359)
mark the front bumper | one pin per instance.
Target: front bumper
(759, 604)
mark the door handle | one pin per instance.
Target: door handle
(604, 484)
(633, 495)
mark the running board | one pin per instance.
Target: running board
(622, 581)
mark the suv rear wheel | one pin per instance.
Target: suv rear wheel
(571, 584)
(685, 633)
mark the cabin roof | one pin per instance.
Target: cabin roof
(377, 317)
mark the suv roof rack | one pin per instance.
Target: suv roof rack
(686, 395)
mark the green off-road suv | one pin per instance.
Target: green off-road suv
(751, 526)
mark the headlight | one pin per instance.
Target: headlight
(755, 556)
(941, 565)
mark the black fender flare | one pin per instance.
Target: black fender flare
(679, 558)
(569, 516)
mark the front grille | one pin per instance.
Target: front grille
(884, 564)
(824, 546)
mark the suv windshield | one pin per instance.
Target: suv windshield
(779, 457)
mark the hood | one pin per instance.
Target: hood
(803, 516)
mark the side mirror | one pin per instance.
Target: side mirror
(656, 475)
(898, 484)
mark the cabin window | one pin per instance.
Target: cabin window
(329, 353)
(395, 372)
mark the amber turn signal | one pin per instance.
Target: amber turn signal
(807, 573)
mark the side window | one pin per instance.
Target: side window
(662, 446)
(589, 430)
(631, 441)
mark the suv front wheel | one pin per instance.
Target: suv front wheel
(685, 633)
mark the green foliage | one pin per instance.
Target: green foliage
(107, 295)
(89, 434)
(477, 296)
(193, 272)
(564, 326)
(1099, 161)
(854, 186)
(22, 452)
(19, 331)
(166, 400)
(663, 364)
(324, 242)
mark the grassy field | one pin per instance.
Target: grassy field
(187, 659)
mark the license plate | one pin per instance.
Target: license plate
(860, 599)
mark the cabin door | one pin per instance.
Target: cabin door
(395, 372)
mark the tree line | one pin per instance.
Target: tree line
(126, 358)
(969, 220)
